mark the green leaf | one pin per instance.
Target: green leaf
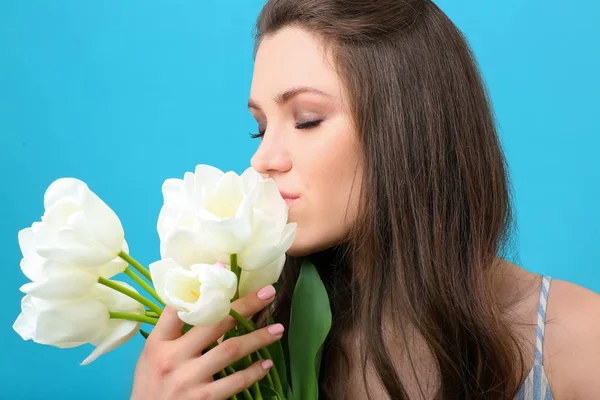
(269, 393)
(276, 351)
(144, 333)
(310, 321)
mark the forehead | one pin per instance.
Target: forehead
(292, 57)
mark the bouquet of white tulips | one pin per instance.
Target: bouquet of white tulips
(222, 235)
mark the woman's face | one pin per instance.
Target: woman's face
(310, 147)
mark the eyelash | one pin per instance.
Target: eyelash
(305, 125)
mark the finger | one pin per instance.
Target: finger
(168, 326)
(200, 337)
(252, 303)
(225, 388)
(232, 350)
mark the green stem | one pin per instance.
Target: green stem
(235, 268)
(186, 328)
(151, 314)
(133, 262)
(129, 272)
(132, 317)
(130, 293)
(264, 352)
(256, 391)
(245, 392)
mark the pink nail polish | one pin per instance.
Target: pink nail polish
(267, 364)
(266, 293)
(275, 330)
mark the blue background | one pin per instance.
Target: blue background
(126, 94)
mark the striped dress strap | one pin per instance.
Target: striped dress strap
(536, 385)
(541, 320)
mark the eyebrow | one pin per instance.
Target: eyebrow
(286, 96)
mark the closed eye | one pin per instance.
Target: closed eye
(304, 125)
(257, 135)
(309, 124)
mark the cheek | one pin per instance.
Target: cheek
(333, 183)
(338, 174)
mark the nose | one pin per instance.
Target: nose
(271, 158)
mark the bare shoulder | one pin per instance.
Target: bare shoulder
(572, 341)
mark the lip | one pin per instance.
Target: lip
(289, 197)
(289, 201)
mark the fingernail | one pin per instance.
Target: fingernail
(267, 364)
(276, 329)
(266, 293)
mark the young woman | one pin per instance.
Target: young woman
(376, 126)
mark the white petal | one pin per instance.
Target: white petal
(33, 267)
(27, 242)
(182, 288)
(55, 217)
(26, 321)
(70, 283)
(225, 199)
(63, 188)
(187, 247)
(71, 324)
(250, 178)
(170, 219)
(189, 189)
(78, 227)
(70, 247)
(230, 235)
(206, 176)
(205, 179)
(211, 308)
(166, 222)
(259, 253)
(105, 224)
(216, 277)
(31, 264)
(116, 266)
(120, 332)
(251, 281)
(158, 272)
(115, 300)
(67, 235)
(266, 197)
(173, 193)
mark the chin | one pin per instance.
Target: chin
(297, 251)
(301, 249)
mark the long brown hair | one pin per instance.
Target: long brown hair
(435, 206)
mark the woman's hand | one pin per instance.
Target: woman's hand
(171, 365)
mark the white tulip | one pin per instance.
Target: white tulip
(50, 280)
(74, 322)
(201, 293)
(209, 215)
(251, 281)
(64, 324)
(78, 227)
(206, 216)
(53, 280)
